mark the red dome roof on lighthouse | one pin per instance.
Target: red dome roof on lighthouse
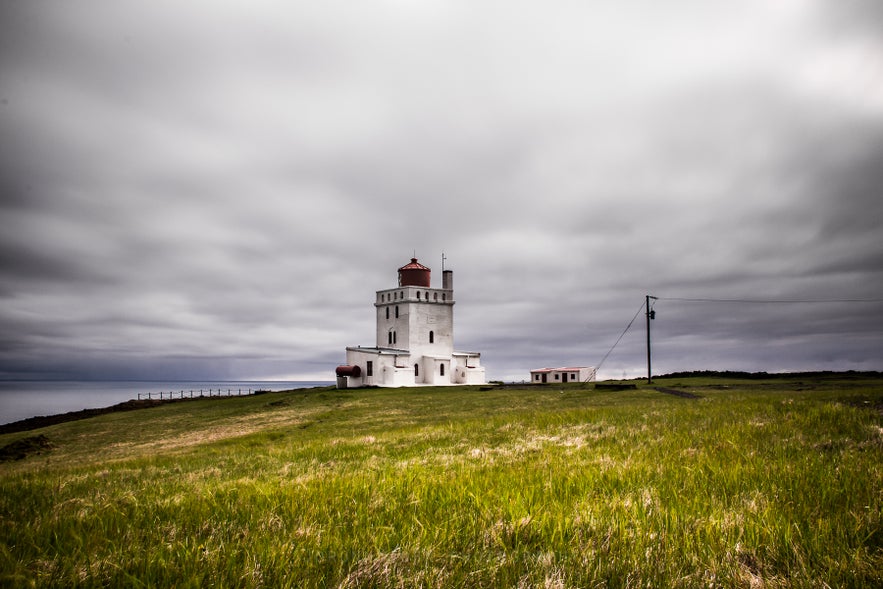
(414, 274)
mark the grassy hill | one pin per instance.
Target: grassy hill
(755, 482)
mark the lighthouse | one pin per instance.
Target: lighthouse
(415, 337)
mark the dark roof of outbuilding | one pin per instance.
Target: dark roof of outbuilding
(562, 369)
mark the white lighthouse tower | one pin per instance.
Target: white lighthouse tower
(415, 337)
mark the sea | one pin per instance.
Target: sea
(21, 399)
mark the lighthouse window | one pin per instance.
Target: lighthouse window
(397, 311)
(431, 337)
(393, 337)
(387, 312)
(389, 338)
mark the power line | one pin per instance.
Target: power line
(770, 301)
(735, 301)
(627, 327)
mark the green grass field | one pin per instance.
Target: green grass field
(757, 483)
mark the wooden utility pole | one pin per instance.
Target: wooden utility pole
(651, 314)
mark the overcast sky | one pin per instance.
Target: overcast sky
(210, 189)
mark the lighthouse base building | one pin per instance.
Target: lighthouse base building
(415, 338)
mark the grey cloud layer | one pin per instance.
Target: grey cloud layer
(218, 191)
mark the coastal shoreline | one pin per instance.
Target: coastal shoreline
(39, 421)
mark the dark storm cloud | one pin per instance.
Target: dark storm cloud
(218, 191)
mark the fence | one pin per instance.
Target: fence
(197, 393)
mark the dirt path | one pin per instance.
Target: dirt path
(678, 393)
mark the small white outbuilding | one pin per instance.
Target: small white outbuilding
(562, 375)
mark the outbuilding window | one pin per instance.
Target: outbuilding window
(369, 368)
(441, 369)
(416, 370)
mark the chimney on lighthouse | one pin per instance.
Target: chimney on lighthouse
(448, 279)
